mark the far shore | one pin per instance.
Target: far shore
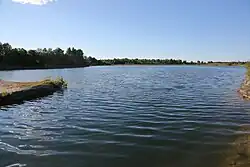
(83, 66)
(213, 65)
(46, 58)
(40, 68)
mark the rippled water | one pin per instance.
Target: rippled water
(126, 116)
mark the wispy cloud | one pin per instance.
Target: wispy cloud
(34, 2)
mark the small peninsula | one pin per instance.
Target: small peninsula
(17, 92)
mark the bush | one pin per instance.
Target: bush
(4, 93)
(59, 81)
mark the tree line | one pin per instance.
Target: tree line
(124, 61)
(20, 58)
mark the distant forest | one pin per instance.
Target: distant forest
(126, 61)
(19, 58)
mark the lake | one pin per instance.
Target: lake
(126, 116)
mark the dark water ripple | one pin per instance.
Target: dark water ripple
(151, 116)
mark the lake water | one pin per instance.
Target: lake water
(126, 116)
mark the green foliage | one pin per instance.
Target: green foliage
(59, 81)
(12, 58)
(4, 92)
(42, 58)
(232, 63)
(126, 61)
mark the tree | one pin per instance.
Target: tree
(1, 52)
(69, 52)
(5, 51)
(58, 52)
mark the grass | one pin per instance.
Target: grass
(4, 93)
(59, 81)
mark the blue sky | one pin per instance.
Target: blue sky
(185, 29)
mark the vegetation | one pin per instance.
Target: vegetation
(232, 63)
(4, 93)
(9, 87)
(59, 81)
(19, 58)
(126, 61)
(55, 82)
(17, 92)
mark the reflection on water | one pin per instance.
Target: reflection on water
(152, 116)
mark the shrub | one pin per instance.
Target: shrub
(59, 81)
(4, 93)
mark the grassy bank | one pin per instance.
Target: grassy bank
(17, 92)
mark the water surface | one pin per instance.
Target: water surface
(120, 116)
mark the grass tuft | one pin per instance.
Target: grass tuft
(4, 93)
(59, 81)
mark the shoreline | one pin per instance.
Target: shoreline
(40, 68)
(83, 66)
(238, 155)
(244, 89)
